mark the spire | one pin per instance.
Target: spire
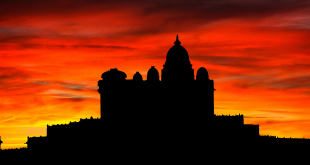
(177, 42)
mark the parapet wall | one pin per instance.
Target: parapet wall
(73, 128)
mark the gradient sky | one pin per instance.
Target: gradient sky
(52, 54)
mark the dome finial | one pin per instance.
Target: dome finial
(177, 42)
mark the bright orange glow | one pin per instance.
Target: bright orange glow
(52, 56)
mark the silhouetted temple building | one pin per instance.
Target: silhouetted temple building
(173, 114)
(175, 100)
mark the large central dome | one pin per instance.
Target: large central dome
(177, 53)
(177, 66)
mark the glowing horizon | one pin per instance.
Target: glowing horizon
(53, 54)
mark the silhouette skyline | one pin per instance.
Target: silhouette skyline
(152, 118)
(51, 54)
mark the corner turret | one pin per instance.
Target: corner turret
(202, 74)
(114, 75)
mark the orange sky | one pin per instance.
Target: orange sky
(52, 54)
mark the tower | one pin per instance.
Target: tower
(204, 92)
(177, 66)
(111, 89)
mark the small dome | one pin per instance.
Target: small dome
(137, 77)
(202, 74)
(177, 53)
(114, 75)
(152, 74)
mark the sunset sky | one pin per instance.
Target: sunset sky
(52, 54)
